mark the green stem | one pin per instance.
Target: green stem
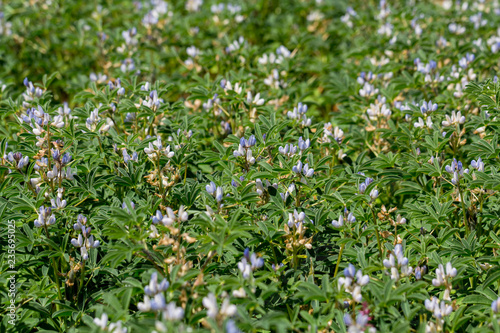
(160, 181)
(457, 142)
(297, 198)
(185, 173)
(294, 258)
(49, 157)
(82, 276)
(54, 267)
(102, 151)
(294, 250)
(136, 121)
(479, 225)
(274, 253)
(339, 259)
(462, 200)
(377, 234)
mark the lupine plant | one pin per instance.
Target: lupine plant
(250, 166)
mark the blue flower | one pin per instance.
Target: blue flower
(362, 187)
(495, 305)
(479, 164)
(154, 287)
(303, 145)
(248, 143)
(428, 107)
(66, 159)
(350, 271)
(211, 188)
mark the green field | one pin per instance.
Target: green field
(249, 166)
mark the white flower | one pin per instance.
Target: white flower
(192, 51)
(102, 322)
(237, 88)
(338, 223)
(58, 122)
(400, 268)
(353, 281)
(245, 268)
(315, 15)
(58, 203)
(240, 293)
(210, 303)
(38, 130)
(144, 306)
(456, 28)
(444, 278)
(295, 218)
(288, 149)
(173, 312)
(367, 90)
(93, 120)
(227, 309)
(307, 172)
(374, 194)
(377, 110)
(456, 118)
(385, 29)
(400, 219)
(153, 232)
(117, 327)
(438, 309)
(420, 123)
(479, 164)
(256, 100)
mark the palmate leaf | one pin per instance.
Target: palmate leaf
(22, 204)
(309, 292)
(485, 149)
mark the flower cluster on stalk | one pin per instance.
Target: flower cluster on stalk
(398, 263)
(155, 149)
(299, 114)
(85, 240)
(154, 300)
(360, 324)
(347, 216)
(213, 311)
(457, 170)
(17, 160)
(45, 217)
(295, 230)
(103, 322)
(244, 150)
(216, 191)
(352, 282)
(304, 169)
(249, 263)
(444, 278)
(439, 309)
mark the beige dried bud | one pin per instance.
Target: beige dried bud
(170, 260)
(188, 238)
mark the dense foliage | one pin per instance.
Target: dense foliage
(251, 166)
